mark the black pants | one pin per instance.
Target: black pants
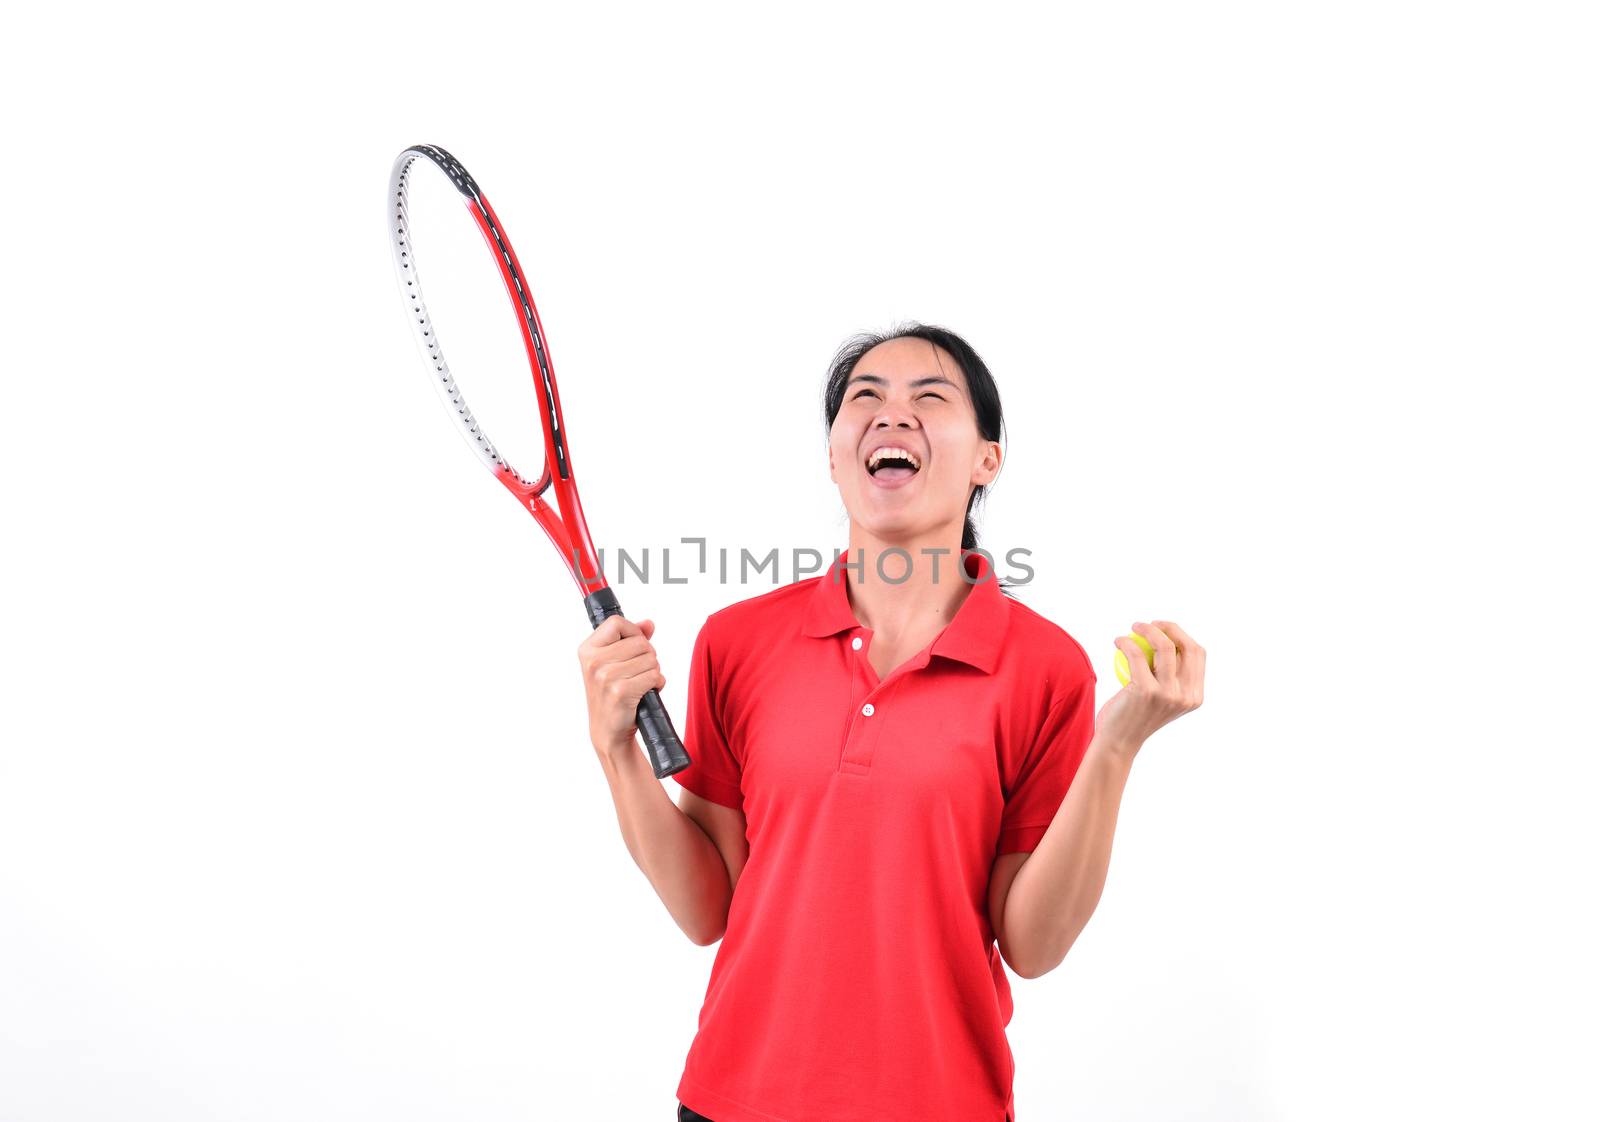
(687, 1115)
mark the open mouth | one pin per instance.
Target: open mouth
(893, 464)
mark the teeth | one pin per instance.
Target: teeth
(894, 450)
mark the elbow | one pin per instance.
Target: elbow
(1040, 972)
(1030, 965)
(1038, 956)
(1032, 972)
(1021, 966)
(705, 940)
(1024, 970)
(706, 934)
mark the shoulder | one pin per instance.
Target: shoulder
(758, 620)
(1043, 649)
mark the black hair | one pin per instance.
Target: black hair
(981, 389)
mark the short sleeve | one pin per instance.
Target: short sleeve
(713, 772)
(1046, 771)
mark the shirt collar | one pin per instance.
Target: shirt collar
(974, 636)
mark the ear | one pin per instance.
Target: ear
(988, 465)
(831, 474)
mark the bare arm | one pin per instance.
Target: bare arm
(692, 862)
(674, 852)
(1056, 890)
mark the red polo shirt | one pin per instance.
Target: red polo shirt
(859, 980)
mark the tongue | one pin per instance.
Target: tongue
(894, 473)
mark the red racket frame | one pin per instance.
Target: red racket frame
(568, 531)
(564, 524)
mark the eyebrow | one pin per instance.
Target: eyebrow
(935, 380)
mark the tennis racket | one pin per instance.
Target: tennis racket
(567, 530)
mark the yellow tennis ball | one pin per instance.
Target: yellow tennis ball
(1121, 661)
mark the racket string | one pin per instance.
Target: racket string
(422, 323)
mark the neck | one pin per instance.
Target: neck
(932, 589)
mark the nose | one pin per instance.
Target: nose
(893, 415)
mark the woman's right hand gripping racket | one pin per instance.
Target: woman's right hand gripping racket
(568, 532)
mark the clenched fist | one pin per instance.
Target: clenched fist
(619, 667)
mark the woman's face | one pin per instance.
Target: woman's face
(910, 395)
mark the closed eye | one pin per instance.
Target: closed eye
(874, 393)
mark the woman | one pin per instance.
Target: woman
(899, 778)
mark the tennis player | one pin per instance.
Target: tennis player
(899, 779)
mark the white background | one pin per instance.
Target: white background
(1293, 313)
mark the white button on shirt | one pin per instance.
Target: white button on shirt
(855, 644)
(867, 710)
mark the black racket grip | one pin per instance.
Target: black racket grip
(661, 743)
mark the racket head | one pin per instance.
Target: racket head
(568, 531)
(408, 276)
